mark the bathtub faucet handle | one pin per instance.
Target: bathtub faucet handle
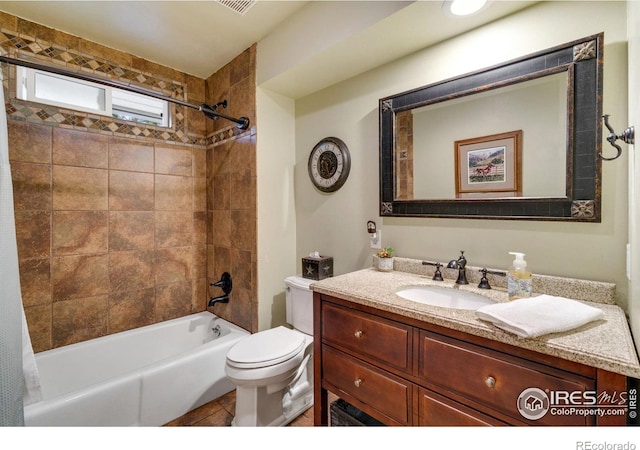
(224, 283)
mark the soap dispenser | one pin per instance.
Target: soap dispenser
(519, 282)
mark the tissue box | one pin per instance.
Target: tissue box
(317, 268)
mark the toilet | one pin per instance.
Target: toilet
(273, 369)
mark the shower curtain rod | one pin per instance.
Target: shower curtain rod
(208, 110)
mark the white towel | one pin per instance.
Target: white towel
(535, 316)
(31, 388)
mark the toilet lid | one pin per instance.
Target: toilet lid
(266, 348)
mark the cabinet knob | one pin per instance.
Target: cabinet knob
(358, 334)
(490, 382)
(358, 382)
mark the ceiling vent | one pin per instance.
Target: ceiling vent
(239, 6)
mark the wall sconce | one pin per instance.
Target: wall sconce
(627, 136)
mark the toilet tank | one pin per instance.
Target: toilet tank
(299, 303)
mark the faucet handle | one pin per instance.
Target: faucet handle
(437, 276)
(484, 281)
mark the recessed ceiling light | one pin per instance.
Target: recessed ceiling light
(463, 7)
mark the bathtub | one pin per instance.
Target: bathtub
(143, 377)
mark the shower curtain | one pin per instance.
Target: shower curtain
(11, 312)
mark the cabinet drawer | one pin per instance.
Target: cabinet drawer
(438, 411)
(382, 391)
(371, 336)
(495, 379)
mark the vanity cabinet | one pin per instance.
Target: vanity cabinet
(402, 371)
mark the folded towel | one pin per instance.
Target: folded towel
(535, 316)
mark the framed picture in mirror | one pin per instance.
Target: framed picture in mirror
(489, 166)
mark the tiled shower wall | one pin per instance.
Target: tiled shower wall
(111, 231)
(114, 220)
(231, 192)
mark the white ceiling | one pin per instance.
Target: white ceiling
(196, 37)
(199, 37)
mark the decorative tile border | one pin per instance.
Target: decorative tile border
(19, 45)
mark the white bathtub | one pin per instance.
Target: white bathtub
(143, 377)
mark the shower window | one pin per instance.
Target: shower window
(58, 90)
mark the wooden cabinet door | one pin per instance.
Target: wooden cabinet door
(438, 411)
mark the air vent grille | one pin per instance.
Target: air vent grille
(239, 6)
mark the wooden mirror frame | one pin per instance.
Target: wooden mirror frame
(583, 61)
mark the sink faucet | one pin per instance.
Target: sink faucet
(460, 264)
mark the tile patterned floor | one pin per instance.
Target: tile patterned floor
(219, 413)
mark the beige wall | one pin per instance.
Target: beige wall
(335, 223)
(276, 205)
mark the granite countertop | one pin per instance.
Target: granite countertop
(604, 344)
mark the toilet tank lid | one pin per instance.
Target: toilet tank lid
(299, 282)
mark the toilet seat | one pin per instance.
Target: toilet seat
(266, 348)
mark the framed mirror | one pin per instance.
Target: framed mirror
(519, 140)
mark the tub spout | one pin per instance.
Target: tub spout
(219, 299)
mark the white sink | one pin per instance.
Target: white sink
(444, 297)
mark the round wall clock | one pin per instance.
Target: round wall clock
(329, 164)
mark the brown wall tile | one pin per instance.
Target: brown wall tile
(199, 261)
(48, 34)
(80, 276)
(145, 65)
(71, 148)
(196, 92)
(173, 265)
(80, 232)
(197, 121)
(173, 193)
(241, 268)
(173, 161)
(131, 191)
(243, 192)
(199, 162)
(79, 320)
(35, 282)
(79, 188)
(199, 227)
(33, 234)
(131, 309)
(125, 154)
(221, 192)
(8, 21)
(199, 194)
(199, 298)
(174, 228)
(31, 185)
(109, 54)
(29, 142)
(131, 270)
(170, 300)
(244, 231)
(130, 230)
(39, 322)
(221, 228)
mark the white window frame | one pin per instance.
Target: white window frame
(122, 109)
